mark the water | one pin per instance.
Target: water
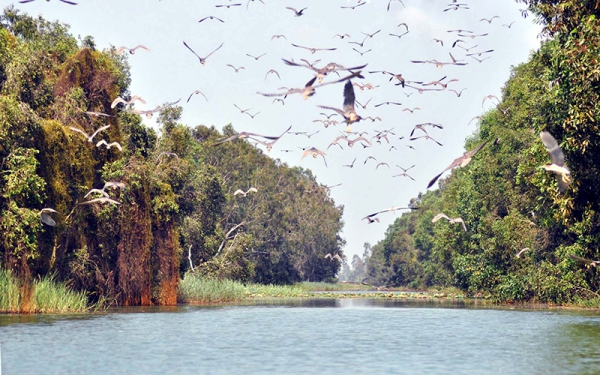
(356, 336)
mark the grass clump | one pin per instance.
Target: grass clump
(10, 295)
(195, 288)
(330, 287)
(46, 296)
(50, 296)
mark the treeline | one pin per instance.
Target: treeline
(507, 202)
(175, 209)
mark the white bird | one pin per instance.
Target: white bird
(109, 145)
(99, 200)
(454, 220)
(127, 102)
(336, 256)
(107, 185)
(563, 174)
(89, 137)
(244, 193)
(518, 255)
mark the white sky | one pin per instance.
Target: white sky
(170, 72)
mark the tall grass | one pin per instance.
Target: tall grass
(48, 296)
(10, 295)
(194, 288)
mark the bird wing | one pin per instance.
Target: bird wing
(332, 109)
(188, 47)
(440, 216)
(349, 97)
(214, 51)
(99, 130)
(553, 148)
(79, 131)
(46, 219)
(239, 191)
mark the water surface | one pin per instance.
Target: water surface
(324, 336)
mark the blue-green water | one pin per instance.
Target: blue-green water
(353, 336)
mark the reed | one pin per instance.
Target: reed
(48, 296)
(277, 291)
(10, 296)
(196, 289)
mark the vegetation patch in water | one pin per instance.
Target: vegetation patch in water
(43, 296)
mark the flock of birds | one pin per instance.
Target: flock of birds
(463, 44)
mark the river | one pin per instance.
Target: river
(313, 336)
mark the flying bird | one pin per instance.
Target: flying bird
(64, 1)
(228, 5)
(109, 145)
(298, 13)
(348, 112)
(89, 138)
(563, 174)
(314, 152)
(518, 255)
(203, 59)
(313, 50)
(462, 161)
(131, 50)
(256, 57)
(46, 218)
(196, 92)
(244, 193)
(236, 69)
(336, 256)
(452, 221)
(127, 103)
(211, 18)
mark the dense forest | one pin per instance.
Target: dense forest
(162, 206)
(508, 203)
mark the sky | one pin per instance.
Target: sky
(169, 71)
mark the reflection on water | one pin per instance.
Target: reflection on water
(325, 336)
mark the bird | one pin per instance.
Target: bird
(365, 105)
(256, 57)
(452, 221)
(391, 209)
(437, 41)
(405, 169)
(244, 135)
(314, 152)
(241, 110)
(298, 13)
(518, 255)
(387, 103)
(272, 71)
(458, 93)
(89, 138)
(488, 20)
(352, 6)
(348, 112)
(107, 185)
(97, 114)
(314, 50)
(350, 165)
(309, 87)
(127, 103)
(461, 161)
(131, 50)
(362, 52)
(64, 1)
(593, 263)
(244, 193)
(99, 200)
(509, 25)
(563, 174)
(489, 97)
(403, 174)
(369, 158)
(252, 115)
(411, 110)
(195, 93)
(426, 136)
(321, 73)
(278, 36)
(236, 69)
(202, 59)
(228, 5)
(336, 256)
(382, 163)
(211, 18)
(109, 145)
(371, 35)
(46, 219)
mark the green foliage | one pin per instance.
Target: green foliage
(507, 202)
